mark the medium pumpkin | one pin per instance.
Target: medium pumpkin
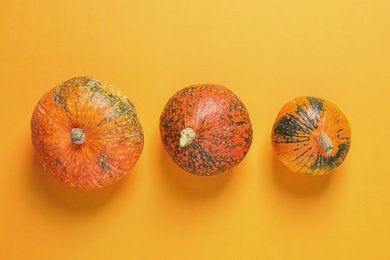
(86, 133)
(311, 136)
(206, 129)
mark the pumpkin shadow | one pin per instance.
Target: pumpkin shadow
(296, 183)
(53, 191)
(189, 185)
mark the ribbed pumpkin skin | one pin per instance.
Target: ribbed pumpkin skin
(220, 121)
(296, 136)
(113, 134)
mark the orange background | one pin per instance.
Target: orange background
(267, 52)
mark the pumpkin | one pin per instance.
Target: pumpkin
(206, 129)
(311, 136)
(86, 133)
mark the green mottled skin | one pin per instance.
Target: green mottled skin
(299, 132)
(107, 118)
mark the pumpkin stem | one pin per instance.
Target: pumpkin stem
(77, 136)
(187, 135)
(326, 143)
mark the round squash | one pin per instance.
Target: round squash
(206, 129)
(311, 136)
(86, 133)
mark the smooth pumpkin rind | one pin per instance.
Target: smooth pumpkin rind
(296, 135)
(113, 133)
(223, 131)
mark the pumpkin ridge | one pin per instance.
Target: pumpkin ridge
(288, 134)
(304, 127)
(86, 101)
(205, 158)
(317, 105)
(302, 154)
(128, 135)
(116, 101)
(305, 117)
(58, 99)
(304, 164)
(291, 121)
(64, 164)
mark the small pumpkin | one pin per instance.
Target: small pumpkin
(86, 133)
(206, 129)
(311, 136)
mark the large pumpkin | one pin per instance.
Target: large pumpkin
(311, 136)
(206, 129)
(86, 133)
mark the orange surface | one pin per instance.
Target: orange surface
(267, 52)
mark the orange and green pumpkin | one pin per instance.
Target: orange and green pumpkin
(86, 133)
(311, 136)
(206, 129)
